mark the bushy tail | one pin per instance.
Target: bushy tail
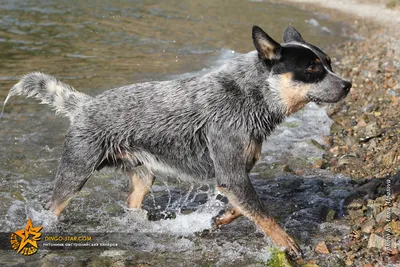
(63, 98)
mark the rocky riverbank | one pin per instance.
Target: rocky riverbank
(364, 143)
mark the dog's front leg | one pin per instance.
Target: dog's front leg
(243, 198)
(233, 181)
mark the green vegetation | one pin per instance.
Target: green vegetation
(279, 259)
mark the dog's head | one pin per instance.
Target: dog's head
(298, 71)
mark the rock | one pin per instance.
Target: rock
(376, 241)
(396, 211)
(381, 217)
(369, 108)
(395, 225)
(361, 123)
(362, 219)
(380, 200)
(317, 144)
(287, 169)
(349, 159)
(311, 263)
(371, 130)
(350, 140)
(322, 248)
(355, 204)
(390, 83)
(368, 226)
(330, 216)
(348, 262)
(319, 164)
(390, 67)
(118, 264)
(355, 214)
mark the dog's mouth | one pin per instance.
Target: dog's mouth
(312, 98)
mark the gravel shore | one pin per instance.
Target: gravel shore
(365, 138)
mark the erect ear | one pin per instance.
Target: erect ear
(292, 35)
(267, 47)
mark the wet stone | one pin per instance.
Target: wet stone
(330, 216)
(322, 248)
(381, 217)
(368, 226)
(376, 241)
(355, 204)
(355, 214)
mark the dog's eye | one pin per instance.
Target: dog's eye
(312, 68)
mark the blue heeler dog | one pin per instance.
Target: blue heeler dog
(208, 127)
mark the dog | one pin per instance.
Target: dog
(208, 127)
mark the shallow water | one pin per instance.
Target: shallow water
(100, 45)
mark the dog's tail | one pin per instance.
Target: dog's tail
(63, 98)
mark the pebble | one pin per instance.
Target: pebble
(354, 214)
(376, 241)
(355, 204)
(395, 211)
(322, 248)
(368, 226)
(381, 217)
(395, 228)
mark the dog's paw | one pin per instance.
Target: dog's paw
(216, 222)
(225, 217)
(282, 239)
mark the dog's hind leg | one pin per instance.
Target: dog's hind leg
(77, 164)
(141, 180)
(225, 217)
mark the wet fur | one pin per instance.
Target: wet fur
(196, 129)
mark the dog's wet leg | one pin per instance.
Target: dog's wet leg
(141, 180)
(245, 200)
(225, 217)
(77, 164)
(230, 160)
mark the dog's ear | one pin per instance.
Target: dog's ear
(267, 47)
(292, 35)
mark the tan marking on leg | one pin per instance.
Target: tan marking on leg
(141, 183)
(252, 151)
(269, 226)
(293, 95)
(58, 209)
(227, 217)
(279, 236)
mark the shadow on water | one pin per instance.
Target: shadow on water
(94, 46)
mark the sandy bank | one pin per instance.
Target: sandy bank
(374, 10)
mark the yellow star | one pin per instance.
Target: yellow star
(24, 234)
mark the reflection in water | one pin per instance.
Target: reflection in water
(95, 45)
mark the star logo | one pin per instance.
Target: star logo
(24, 241)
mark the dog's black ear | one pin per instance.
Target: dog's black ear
(267, 47)
(292, 35)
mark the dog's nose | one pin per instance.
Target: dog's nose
(346, 86)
